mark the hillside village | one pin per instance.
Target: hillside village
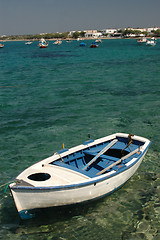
(113, 32)
(87, 34)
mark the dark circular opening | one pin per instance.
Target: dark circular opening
(39, 176)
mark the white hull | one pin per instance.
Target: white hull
(31, 199)
(67, 186)
(151, 43)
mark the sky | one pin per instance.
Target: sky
(19, 17)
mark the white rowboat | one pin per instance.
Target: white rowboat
(85, 172)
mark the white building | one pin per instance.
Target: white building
(131, 35)
(149, 30)
(92, 34)
(109, 31)
(137, 29)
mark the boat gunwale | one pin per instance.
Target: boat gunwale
(84, 146)
(87, 182)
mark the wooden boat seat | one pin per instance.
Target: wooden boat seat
(128, 156)
(90, 152)
(77, 162)
(102, 163)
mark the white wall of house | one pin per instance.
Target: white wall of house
(131, 35)
(93, 34)
(151, 29)
(109, 31)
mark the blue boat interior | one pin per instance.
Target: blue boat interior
(78, 160)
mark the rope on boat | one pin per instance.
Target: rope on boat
(130, 141)
(6, 184)
(60, 156)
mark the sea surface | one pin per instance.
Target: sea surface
(60, 95)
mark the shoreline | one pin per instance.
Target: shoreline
(71, 39)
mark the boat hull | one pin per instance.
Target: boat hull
(94, 46)
(43, 46)
(28, 198)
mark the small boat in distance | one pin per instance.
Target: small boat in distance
(28, 43)
(43, 43)
(94, 45)
(151, 42)
(98, 41)
(79, 174)
(82, 44)
(142, 40)
(1, 45)
(57, 42)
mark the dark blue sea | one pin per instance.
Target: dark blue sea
(60, 95)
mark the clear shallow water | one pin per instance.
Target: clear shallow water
(60, 94)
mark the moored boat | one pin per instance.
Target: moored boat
(1, 45)
(93, 45)
(85, 172)
(142, 40)
(151, 42)
(28, 43)
(98, 41)
(43, 43)
(57, 42)
(82, 44)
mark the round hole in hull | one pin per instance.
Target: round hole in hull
(39, 176)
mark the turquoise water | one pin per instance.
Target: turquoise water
(60, 94)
